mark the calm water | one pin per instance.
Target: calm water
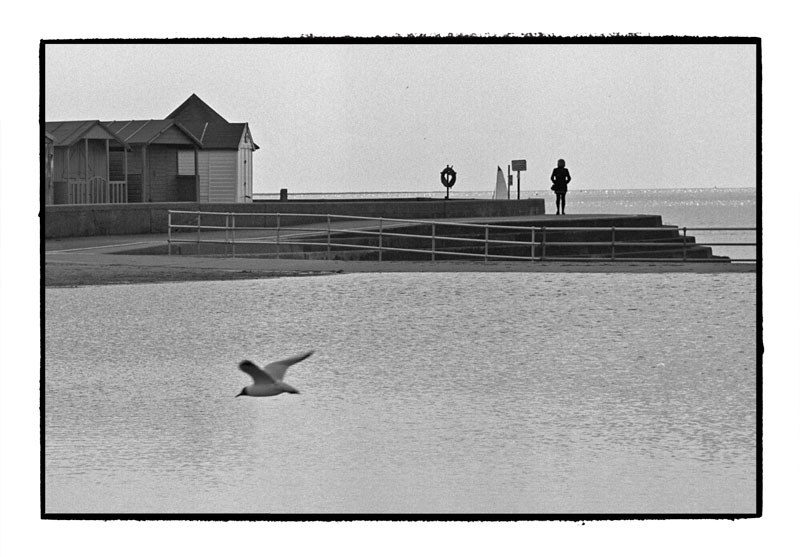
(691, 208)
(524, 393)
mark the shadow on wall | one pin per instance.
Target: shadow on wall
(151, 218)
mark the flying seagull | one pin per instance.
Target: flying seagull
(269, 381)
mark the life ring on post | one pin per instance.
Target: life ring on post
(448, 176)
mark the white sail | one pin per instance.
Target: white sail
(500, 190)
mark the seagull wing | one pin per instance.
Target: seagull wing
(278, 369)
(260, 377)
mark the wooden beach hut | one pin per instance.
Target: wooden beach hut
(163, 161)
(126, 161)
(80, 172)
(192, 155)
(226, 158)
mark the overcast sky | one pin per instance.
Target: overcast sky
(389, 117)
(132, 93)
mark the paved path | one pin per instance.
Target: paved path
(100, 260)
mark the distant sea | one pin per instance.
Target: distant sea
(690, 208)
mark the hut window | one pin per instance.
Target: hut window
(185, 163)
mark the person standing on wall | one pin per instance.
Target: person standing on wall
(560, 178)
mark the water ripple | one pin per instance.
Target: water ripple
(563, 393)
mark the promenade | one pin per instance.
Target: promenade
(96, 260)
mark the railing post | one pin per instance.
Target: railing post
(433, 241)
(684, 243)
(486, 244)
(544, 241)
(278, 236)
(169, 232)
(329, 237)
(613, 247)
(227, 229)
(198, 233)
(380, 239)
(533, 243)
(233, 235)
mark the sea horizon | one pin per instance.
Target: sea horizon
(489, 191)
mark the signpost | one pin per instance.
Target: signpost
(518, 165)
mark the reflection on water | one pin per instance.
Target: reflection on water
(534, 393)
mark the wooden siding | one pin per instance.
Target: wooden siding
(135, 188)
(134, 172)
(244, 183)
(163, 173)
(250, 174)
(186, 162)
(222, 173)
(202, 169)
(77, 160)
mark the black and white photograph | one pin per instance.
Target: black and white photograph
(546, 281)
(442, 278)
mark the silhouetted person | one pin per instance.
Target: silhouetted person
(560, 178)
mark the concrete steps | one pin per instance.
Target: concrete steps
(643, 244)
(362, 242)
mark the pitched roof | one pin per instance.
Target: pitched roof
(146, 131)
(66, 133)
(222, 136)
(195, 114)
(214, 131)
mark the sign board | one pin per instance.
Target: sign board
(519, 165)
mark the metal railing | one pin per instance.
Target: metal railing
(328, 230)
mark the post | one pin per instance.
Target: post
(517, 185)
(684, 243)
(544, 241)
(145, 179)
(169, 232)
(108, 176)
(613, 247)
(86, 168)
(196, 174)
(227, 234)
(533, 243)
(125, 167)
(69, 186)
(510, 179)
(433, 241)
(486, 244)
(329, 237)
(278, 236)
(380, 239)
(233, 234)
(198, 233)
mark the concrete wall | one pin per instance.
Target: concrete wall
(63, 221)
